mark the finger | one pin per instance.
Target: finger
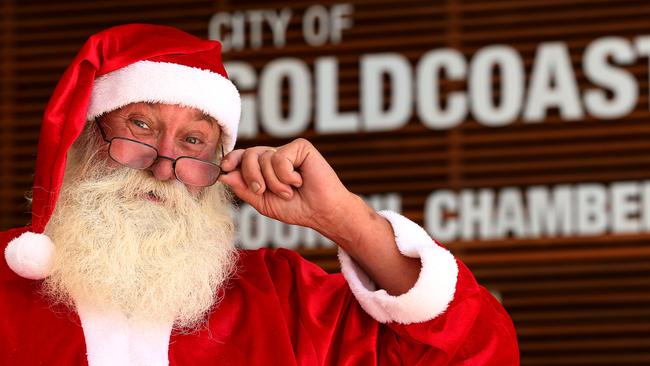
(298, 151)
(271, 179)
(251, 171)
(236, 182)
(283, 168)
(232, 160)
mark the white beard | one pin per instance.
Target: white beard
(154, 261)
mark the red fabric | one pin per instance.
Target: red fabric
(104, 52)
(278, 310)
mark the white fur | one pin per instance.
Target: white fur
(431, 294)
(106, 334)
(30, 255)
(113, 339)
(164, 82)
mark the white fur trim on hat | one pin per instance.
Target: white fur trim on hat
(433, 290)
(169, 83)
(30, 255)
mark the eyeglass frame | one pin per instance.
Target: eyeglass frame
(158, 156)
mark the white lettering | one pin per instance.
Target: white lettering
(397, 68)
(236, 22)
(298, 77)
(438, 209)
(328, 118)
(428, 73)
(231, 29)
(216, 26)
(315, 25)
(510, 66)
(510, 214)
(625, 207)
(285, 236)
(255, 19)
(550, 214)
(279, 23)
(591, 209)
(243, 75)
(553, 84)
(252, 228)
(620, 82)
(476, 212)
(341, 20)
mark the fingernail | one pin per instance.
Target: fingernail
(255, 187)
(285, 195)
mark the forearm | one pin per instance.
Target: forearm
(369, 239)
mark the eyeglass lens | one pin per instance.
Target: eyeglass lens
(188, 170)
(132, 154)
(196, 172)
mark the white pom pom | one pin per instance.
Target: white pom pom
(30, 255)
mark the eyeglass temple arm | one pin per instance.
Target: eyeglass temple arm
(223, 154)
(101, 130)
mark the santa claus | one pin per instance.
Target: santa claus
(129, 259)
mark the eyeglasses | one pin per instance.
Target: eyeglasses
(138, 155)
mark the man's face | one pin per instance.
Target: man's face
(137, 240)
(173, 130)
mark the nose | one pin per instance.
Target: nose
(163, 168)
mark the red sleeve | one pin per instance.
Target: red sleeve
(326, 323)
(474, 330)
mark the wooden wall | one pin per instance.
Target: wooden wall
(574, 300)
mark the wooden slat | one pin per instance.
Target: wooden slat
(574, 300)
(533, 273)
(582, 314)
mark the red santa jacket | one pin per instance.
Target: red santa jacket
(282, 310)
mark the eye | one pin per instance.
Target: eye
(192, 140)
(138, 123)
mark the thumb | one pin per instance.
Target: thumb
(235, 180)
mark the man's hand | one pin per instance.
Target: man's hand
(292, 183)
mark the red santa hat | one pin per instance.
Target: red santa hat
(121, 65)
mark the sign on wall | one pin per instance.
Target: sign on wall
(287, 96)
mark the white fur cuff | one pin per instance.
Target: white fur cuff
(432, 292)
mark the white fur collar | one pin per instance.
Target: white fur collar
(113, 339)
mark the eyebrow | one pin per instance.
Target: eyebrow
(207, 117)
(204, 117)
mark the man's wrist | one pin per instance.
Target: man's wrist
(351, 220)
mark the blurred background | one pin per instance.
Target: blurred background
(515, 132)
